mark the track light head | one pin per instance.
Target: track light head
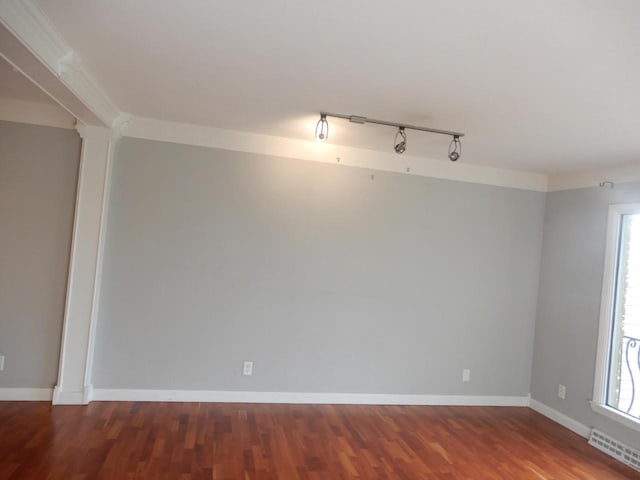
(400, 146)
(455, 148)
(322, 129)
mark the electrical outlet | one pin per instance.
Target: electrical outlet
(466, 375)
(1, 362)
(247, 368)
(562, 391)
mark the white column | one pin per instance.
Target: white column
(83, 285)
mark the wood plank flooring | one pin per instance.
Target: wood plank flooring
(191, 441)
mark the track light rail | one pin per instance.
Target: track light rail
(362, 120)
(400, 141)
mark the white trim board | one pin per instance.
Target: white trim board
(624, 173)
(42, 114)
(197, 135)
(141, 395)
(77, 329)
(560, 418)
(26, 394)
(158, 130)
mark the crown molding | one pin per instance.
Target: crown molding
(151, 129)
(73, 74)
(622, 173)
(28, 24)
(42, 114)
(22, 60)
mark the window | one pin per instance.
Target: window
(617, 383)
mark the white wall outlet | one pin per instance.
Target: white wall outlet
(562, 391)
(1, 362)
(247, 368)
(466, 375)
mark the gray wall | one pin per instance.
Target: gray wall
(569, 302)
(328, 280)
(38, 175)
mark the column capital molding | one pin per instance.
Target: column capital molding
(112, 134)
(93, 132)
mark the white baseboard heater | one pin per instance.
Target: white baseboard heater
(614, 448)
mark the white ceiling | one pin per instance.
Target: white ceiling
(15, 86)
(537, 85)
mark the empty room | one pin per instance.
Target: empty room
(300, 240)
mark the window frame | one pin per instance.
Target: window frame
(605, 330)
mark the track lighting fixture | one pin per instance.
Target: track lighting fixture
(455, 148)
(322, 128)
(400, 141)
(400, 146)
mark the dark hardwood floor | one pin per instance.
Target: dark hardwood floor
(122, 440)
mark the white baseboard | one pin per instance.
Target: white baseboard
(60, 397)
(561, 418)
(298, 397)
(66, 397)
(26, 394)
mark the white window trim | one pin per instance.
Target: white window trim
(617, 415)
(599, 403)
